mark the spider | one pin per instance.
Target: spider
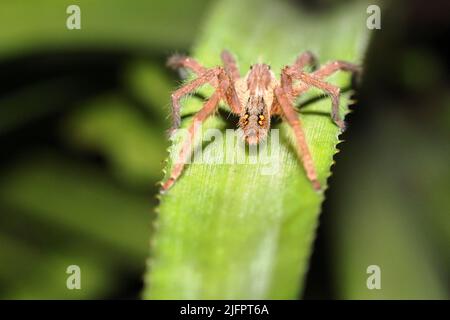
(255, 98)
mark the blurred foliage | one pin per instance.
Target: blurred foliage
(57, 210)
(394, 233)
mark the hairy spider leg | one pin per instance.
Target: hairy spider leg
(206, 77)
(286, 93)
(306, 58)
(312, 81)
(179, 61)
(208, 108)
(230, 65)
(224, 91)
(291, 116)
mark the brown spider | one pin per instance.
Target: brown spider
(255, 98)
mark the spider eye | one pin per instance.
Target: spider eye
(269, 67)
(261, 119)
(251, 67)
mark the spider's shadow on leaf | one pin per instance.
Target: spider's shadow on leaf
(231, 120)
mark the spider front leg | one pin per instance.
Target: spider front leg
(291, 73)
(230, 65)
(291, 116)
(209, 75)
(306, 58)
(208, 108)
(179, 61)
(333, 66)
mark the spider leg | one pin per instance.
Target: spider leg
(206, 77)
(230, 65)
(291, 116)
(229, 93)
(326, 71)
(208, 108)
(290, 73)
(331, 67)
(306, 58)
(179, 61)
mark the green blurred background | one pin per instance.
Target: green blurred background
(83, 115)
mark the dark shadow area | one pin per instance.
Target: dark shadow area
(404, 69)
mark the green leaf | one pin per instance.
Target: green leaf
(150, 85)
(228, 231)
(40, 273)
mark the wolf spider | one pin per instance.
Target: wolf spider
(255, 98)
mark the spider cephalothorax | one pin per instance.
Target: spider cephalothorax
(255, 93)
(255, 98)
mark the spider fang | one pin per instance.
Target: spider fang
(261, 119)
